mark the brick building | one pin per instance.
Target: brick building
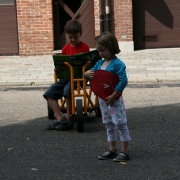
(35, 27)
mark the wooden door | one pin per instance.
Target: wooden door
(83, 11)
(156, 24)
(8, 28)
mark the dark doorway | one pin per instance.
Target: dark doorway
(8, 28)
(64, 10)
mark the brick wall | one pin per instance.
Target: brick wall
(35, 24)
(35, 27)
(121, 19)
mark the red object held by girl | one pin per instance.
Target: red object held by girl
(103, 83)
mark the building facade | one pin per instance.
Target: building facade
(36, 27)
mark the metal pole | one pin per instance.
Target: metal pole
(107, 4)
(101, 18)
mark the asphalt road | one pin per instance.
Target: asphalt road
(29, 152)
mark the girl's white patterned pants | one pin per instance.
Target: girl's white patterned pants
(114, 129)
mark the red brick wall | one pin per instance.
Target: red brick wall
(121, 18)
(35, 27)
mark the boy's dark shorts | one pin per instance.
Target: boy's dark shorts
(59, 89)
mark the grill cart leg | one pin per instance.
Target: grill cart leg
(79, 111)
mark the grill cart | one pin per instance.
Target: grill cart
(83, 100)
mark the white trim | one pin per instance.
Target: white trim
(57, 51)
(126, 46)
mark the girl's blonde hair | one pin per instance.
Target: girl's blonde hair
(109, 41)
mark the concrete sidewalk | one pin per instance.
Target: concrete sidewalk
(144, 66)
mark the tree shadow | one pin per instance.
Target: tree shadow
(154, 148)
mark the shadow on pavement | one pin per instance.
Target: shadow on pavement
(28, 151)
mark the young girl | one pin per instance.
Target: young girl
(113, 111)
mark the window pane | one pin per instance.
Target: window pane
(6, 2)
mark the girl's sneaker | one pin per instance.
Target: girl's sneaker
(108, 155)
(122, 157)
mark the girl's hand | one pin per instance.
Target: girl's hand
(89, 74)
(110, 100)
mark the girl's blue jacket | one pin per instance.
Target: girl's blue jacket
(117, 67)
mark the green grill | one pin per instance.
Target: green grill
(76, 61)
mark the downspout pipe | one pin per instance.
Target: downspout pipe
(108, 18)
(101, 16)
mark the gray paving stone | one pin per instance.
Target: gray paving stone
(157, 74)
(163, 64)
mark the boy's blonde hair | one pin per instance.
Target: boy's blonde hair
(109, 41)
(73, 27)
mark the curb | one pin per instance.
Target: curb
(130, 85)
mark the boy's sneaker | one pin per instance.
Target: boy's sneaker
(56, 124)
(108, 155)
(52, 126)
(68, 126)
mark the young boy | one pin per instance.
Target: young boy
(73, 32)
